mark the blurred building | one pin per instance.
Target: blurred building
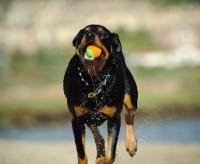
(29, 25)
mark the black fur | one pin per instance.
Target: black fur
(110, 84)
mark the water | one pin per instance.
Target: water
(171, 131)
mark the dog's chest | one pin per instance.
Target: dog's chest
(94, 98)
(94, 90)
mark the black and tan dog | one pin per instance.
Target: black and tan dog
(96, 91)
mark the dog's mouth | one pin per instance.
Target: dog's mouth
(84, 56)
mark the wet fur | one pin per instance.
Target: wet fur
(111, 81)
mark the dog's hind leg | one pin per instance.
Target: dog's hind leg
(131, 142)
(100, 144)
(79, 136)
(113, 133)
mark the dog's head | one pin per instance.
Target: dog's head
(102, 38)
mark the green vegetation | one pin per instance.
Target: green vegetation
(164, 87)
(31, 85)
(138, 41)
(174, 2)
(32, 88)
(42, 68)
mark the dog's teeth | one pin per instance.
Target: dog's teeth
(86, 57)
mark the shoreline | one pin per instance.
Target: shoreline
(27, 119)
(22, 152)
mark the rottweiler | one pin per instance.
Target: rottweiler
(96, 91)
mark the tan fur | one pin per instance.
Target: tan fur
(100, 160)
(131, 141)
(87, 29)
(110, 111)
(79, 110)
(89, 68)
(127, 102)
(107, 159)
(82, 161)
(100, 29)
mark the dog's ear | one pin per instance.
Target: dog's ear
(117, 47)
(76, 39)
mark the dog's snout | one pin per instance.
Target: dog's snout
(90, 35)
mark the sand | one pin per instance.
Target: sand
(32, 152)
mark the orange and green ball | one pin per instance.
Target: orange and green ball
(93, 51)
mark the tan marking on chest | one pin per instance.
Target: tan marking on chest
(79, 110)
(110, 111)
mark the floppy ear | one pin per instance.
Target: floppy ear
(76, 39)
(116, 43)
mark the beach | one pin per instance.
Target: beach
(54, 152)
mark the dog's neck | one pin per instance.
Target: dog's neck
(93, 83)
(93, 69)
(103, 77)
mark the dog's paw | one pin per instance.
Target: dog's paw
(100, 160)
(131, 146)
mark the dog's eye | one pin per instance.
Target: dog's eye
(102, 35)
(84, 31)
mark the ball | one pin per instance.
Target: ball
(93, 51)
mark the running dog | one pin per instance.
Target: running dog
(96, 91)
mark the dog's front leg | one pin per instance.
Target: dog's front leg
(79, 136)
(131, 141)
(113, 133)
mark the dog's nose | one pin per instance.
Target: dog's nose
(90, 35)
